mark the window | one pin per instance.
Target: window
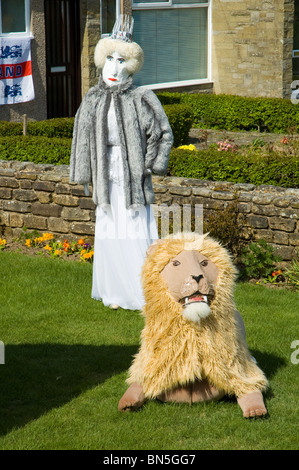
(174, 36)
(110, 9)
(15, 17)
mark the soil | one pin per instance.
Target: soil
(201, 138)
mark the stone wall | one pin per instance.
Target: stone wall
(252, 46)
(40, 197)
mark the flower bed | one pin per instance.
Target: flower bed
(48, 245)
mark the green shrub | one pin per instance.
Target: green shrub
(180, 118)
(169, 98)
(58, 127)
(258, 260)
(253, 167)
(233, 113)
(36, 149)
(225, 225)
(292, 274)
(10, 128)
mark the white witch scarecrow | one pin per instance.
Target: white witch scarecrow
(121, 137)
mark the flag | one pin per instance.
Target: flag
(16, 83)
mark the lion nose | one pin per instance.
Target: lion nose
(198, 278)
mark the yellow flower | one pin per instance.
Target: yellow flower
(28, 242)
(47, 236)
(58, 252)
(86, 255)
(47, 247)
(2, 241)
(188, 147)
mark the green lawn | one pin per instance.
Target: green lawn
(66, 360)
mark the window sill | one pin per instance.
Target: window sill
(178, 84)
(16, 35)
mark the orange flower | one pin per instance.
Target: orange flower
(81, 241)
(66, 245)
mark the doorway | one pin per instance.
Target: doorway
(62, 22)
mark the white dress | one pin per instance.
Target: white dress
(122, 236)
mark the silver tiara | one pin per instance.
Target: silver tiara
(123, 28)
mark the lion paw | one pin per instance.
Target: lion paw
(252, 405)
(132, 399)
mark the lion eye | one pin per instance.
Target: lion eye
(204, 263)
(176, 263)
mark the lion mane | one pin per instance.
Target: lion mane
(176, 352)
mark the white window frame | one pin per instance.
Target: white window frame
(117, 13)
(168, 6)
(139, 6)
(27, 32)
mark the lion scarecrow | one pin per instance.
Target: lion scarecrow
(193, 346)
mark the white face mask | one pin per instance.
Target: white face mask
(114, 71)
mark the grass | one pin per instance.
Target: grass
(67, 356)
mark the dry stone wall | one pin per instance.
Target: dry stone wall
(40, 197)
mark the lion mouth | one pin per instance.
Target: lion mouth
(196, 297)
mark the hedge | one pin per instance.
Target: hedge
(58, 127)
(209, 164)
(254, 168)
(180, 117)
(36, 149)
(234, 113)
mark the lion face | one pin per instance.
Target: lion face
(191, 278)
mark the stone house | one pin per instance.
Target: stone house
(246, 48)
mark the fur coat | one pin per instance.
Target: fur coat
(145, 140)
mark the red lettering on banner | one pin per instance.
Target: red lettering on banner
(15, 70)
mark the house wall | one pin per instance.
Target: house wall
(36, 109)
(90, 35)
(40, 197)
(252, 46)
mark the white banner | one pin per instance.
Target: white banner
(16, 83)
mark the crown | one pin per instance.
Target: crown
(123, 28)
